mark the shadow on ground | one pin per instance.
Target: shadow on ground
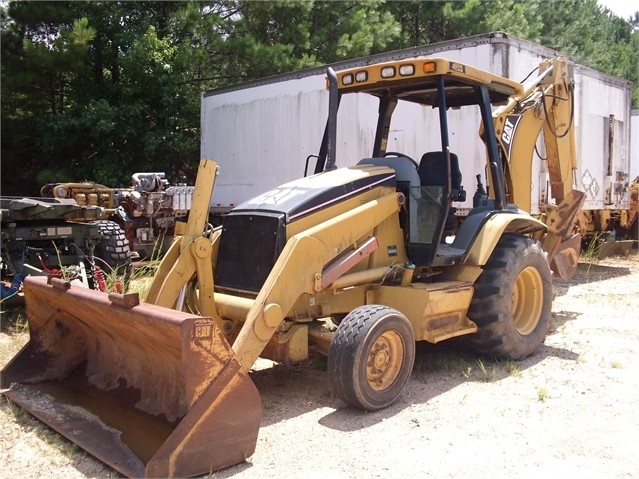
(289, 392)
(590, 273)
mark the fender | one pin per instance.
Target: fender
(492, 230)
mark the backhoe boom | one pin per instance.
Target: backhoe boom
(546, 108)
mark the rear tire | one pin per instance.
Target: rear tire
(371, 357)
(113, 247)
(513, 300)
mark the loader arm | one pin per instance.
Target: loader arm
(299, 267)
(546, 104)
(190, 254)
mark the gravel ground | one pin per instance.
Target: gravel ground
(570, 410)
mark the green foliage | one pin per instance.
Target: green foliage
(474, 16)
(265, 38)
(100, 90)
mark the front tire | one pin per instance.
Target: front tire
(371, 357)
(513, 300)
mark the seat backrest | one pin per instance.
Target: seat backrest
(432, 170)
(405, 170)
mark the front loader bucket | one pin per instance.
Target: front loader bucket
(150, 391)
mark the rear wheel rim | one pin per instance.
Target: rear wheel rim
(527, 300)
(384, 361)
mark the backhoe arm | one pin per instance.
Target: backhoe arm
(547, 104)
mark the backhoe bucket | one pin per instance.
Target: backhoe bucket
(566, 258)
(150, 391)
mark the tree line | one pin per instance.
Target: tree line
(98, 90)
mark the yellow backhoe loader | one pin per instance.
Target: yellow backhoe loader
(354, 263)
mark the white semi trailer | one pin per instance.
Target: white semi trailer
(262, 132)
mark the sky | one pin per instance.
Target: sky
(622, 8)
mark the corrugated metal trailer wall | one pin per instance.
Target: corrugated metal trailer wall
(603, 138)
(261, 132)
(260, 136)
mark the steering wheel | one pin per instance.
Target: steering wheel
(395, 153)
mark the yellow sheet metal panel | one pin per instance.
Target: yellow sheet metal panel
(436, 312)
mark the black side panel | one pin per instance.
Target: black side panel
(249, 247)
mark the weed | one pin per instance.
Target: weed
(494, 372)
(68, 273)
(16, 322)
(482, 367)
(142, 277)
(445, 362)
(16, 328)
(68, 449)
(542, 393)
(590, 255)
(488, 374)
(513, 368)
(21, 324)
(16, 411)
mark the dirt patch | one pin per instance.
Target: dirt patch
(570, 410)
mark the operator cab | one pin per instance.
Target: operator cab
(428, 218)
(435, 183)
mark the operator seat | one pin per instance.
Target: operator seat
(432, 172)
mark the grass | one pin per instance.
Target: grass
(513, 368)
(591, 253)
(446, 361)
(68, 449)
(542, 393)
(14, 332)
(142, 277)
(455, 362)
(14, 410)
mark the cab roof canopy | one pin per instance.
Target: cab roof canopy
(416, 80)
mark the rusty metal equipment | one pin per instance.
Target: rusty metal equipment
(145, 389)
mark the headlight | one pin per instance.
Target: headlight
(388, 72)
(361, 76)
(347, 79)
(406, 70)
